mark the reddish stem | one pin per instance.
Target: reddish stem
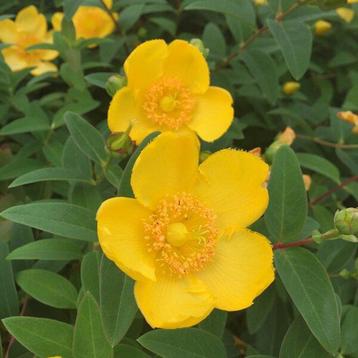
(287, 245)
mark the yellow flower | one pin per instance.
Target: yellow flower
(184, 238)
(168, 90)
(89, 21)
(321, 27)
(352, 1)
(260, 2)
(345, 14)
(28, 29)
(291, 87)
(349, 117)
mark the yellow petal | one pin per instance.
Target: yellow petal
(108, 3)
(345, 13)
(15, 58)
(141, 128)
(241, 269)
(121, 236)
(31, 21)
(56, 20)
(122, 110)
(232, 184)
(47, 54)
(171, 303)
(8, 32)
(187, 63)
(145, 63)
(166, 166)
(43, 67)
(213, 115)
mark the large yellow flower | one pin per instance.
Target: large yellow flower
(89, 21)
(184, 238)
(28, 29)
(168, 90)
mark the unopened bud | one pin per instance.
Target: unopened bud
(345, 274)
(345, 14)
(119, 142)
(115, 83)
(307, 181)
(200, 46)
(287, 136)
(321, 27)
(346, 221)
(291, 87)
(256, 151)
(142, 32)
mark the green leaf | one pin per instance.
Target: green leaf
(70, 7)
(125, 188)
(349, 331)
(319, 165)
(49, 174)
(263, 69)
(126, 350)
(117, 303)
(299, 342)
(215, 323)
(287, 210)
(89, 339)
(90, 273)
(58, 218)
(130, 15)
(41, 336)
(17, 167)
(48, 287)
(98, 79)
(179, 343)
(8, 295)
(87, 138)
(24, 125)
(295, 41)
(47, 249)
(257, 314)
(307, 282)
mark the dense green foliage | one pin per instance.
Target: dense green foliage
(57, 166)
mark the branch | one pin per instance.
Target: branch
(282, 245)
(328, 144)
(110, 14)
(333, 190)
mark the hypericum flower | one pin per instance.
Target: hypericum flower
(321, 27)
(307, 181)
(28, 29)
(352, 1)
(291, 87)
(184, 238)
(89, 21)
(345, 14)
(168, 90)
(351, 118)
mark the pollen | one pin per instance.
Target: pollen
(182, 234)
(169, 104)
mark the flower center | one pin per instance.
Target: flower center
(182, 234)
(168, 103)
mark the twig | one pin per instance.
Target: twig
(328, 193)
(286, 245)
(279, 17)
(12, 338)
(328, 144)
(110, 13)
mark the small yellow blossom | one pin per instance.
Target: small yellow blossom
(352, 1)
(168, 90)
(28, 29)
(184, 237)
(260, 2)
(287, 136)
(349, 117)
(307, 181)
(321, 27)
(291, 87)
(345, 14)
(89, 21)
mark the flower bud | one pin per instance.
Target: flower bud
(346, 221)
(291, 87)
(261, 2)
(115, 83)
(321, 27)
(287, 136)
(351, 118)
(119, 142)
(256, 151)
(307, 181)
(200, 46)
(345, 14)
